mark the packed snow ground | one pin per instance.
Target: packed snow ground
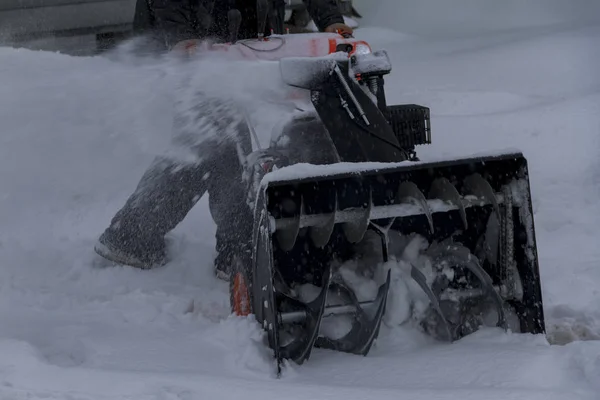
(77, 133)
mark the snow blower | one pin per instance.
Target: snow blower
(349, 190)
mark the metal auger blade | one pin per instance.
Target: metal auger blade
(421, 280)
(489, 244)
(295, 207)
(299, 350)
(320, 234)
(458, 255)
(477, 186)
(365, 328)
(442, 189)
(409, 192)
(356, 227)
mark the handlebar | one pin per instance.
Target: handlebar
(345, 35)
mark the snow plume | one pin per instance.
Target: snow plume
(217, 92)
(206, 96)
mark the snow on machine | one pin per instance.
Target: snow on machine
(340, 196)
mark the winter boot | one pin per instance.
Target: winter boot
(223, 260)
(153, 256)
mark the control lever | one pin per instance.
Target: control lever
(234, 17)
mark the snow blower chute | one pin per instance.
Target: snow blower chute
(349, 188)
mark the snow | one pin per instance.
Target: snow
(303, 171)
(78, 132)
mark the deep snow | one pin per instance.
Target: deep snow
(77, 133)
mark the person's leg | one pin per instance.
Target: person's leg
(162, 199)
(165, 195)
(169, 189)
(228, 204)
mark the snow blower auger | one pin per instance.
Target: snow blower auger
(349, 190)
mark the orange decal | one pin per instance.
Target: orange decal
(332, 45)
(241, 297)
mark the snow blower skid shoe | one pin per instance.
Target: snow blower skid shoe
(472, 218)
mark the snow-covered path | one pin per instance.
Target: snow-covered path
(77, 133)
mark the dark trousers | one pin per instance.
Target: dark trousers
(170, 188)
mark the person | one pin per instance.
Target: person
(169, 189)
(175, 21)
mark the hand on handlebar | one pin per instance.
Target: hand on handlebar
(342, 29)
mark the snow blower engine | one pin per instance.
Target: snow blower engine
(350, 204)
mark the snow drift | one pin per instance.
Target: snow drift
(77, 133)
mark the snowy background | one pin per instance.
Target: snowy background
(77, 133)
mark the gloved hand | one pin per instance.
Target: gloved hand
(342, 29)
